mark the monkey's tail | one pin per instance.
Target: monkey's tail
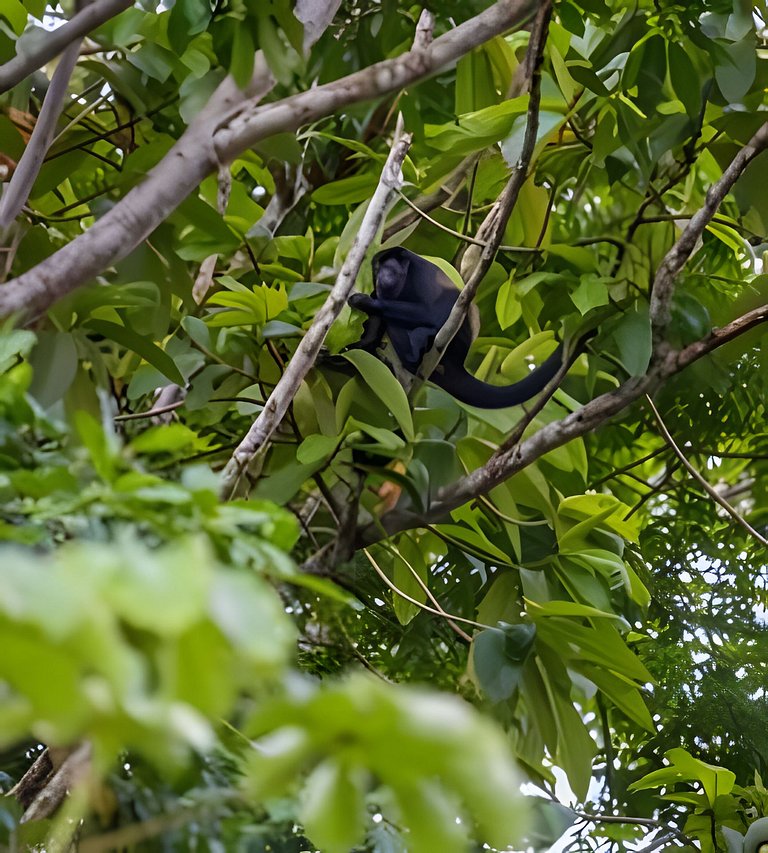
(463, 386)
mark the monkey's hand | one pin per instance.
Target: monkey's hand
(361, 302)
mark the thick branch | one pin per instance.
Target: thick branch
(130, 221)
(192, 158)
(306, 353)
(492, 229)
(17, 192)
(24, 63)
(664, 281)
(592, 415)
(377, 80)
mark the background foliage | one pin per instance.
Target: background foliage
(613, 613)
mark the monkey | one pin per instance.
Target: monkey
(411, 300)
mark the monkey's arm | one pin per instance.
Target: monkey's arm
(409, 315)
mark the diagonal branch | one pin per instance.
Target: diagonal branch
(219, 136)
(17, 192)
(25, 62)
(664, 282)
(592, 415)
(306, 353)
(491, 231)
(122, 228)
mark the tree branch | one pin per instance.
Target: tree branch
(502, 465)
(306, 353)
(220, 134)
(663, 287)
(25, 62)
(17, 192)
(131, 220)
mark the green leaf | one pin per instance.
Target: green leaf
(685, 80)
(498, 656)
(243, 55)
(593, 291)
(142, 346)
(624, 696)
(383, 384)
(508, 308)
(97, 444)
(187, 18)
(16, 15)
(13, 344)
(333, 807)
(316, 448)
(633, 338)
(476, 130)
(716, 781)
(567, 608)
(350, 190)
(736, 68)
(475, 88)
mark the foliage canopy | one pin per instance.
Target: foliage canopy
(274, 672)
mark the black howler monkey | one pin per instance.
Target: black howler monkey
(411, 300)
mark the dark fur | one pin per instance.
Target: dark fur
(412, 299)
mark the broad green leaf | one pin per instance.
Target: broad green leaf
(350, 190)
(593, 291)
(99, 446)
(611, 511)
(139, 344)
(633, 338)
(624, 695)
(508, 309)
(16, 15)
(599, 643)
(476, 130)
(475, 88)
(13, 344)
(383, 384)
(567, 608)
(333, 807)
(498, 671)
(187, 18)
(475, 543)
(716, 781)
(243, 54)
(315, 448)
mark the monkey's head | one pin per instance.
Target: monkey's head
(390, 270)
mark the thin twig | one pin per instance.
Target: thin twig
(161, 410)
(628, 467)
(428, 592)
(420, 604)
(704, 483)
(458, 235)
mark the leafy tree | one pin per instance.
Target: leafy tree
(264, 592)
